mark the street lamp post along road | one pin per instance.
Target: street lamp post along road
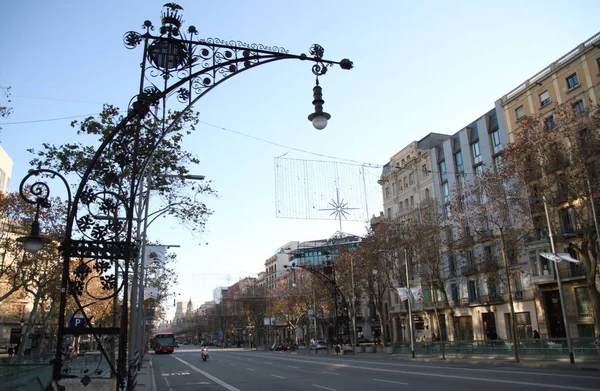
(556, 270)
(559, 283)
(175, 64)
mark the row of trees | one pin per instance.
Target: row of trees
(35, 278)
(483, 227)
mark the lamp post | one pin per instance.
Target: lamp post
(559, 282)
(556, 270)
(410, 318)
(353, 305)
(175, 63)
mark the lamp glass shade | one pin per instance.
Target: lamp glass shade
(319, 122)
(33, 245)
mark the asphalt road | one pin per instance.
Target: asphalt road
(235, 370)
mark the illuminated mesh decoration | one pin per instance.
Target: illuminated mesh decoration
(326, 190)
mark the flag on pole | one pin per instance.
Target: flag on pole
(567, 257)
(403, 293)
(150, 293)
(417, 293)
(156, 254)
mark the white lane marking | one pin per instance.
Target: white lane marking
(524, 383)
(391, 381)
(267, 362)
(325, 388)
(208, 375)
(457, 376)
(250, 369)
(168, 385)
(199, 383)
(331, 373)
(279, 377)
(291, 366)
(516, 372)
(233, 365)
(153, 381)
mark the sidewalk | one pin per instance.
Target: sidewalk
(563, 364)
(145, 377)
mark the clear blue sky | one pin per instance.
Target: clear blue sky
(420, 67)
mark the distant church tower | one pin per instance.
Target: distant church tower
(189, 307)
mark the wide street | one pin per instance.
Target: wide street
(234, 369)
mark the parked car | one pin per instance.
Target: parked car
(318, 344)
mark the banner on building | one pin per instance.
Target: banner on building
(403, 293)
(155, 254)
(150, 293)
(417, 293)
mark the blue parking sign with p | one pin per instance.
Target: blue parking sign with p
(77, 322)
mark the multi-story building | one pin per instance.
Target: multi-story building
(440, 165)
(573, 79)
(274, 265)
(407, 178)
(6, 165)
(475, 281)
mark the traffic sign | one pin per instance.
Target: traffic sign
(77, 322)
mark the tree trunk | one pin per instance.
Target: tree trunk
(595, 297)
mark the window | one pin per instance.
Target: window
(496, 144)
(497, 164)
(479, 169)
(389, 214)
(472, 291)
(446, 192)
(412, 201)
(523, 325)
(567, 221)
(517, 286)
(401, 205)
(598, 64)
(520, 112)
(427, 194)
(549, 122)
(572, 81)
(579, 107)
(458, 161)
(442, 167)
(387, 192)
(584, 302)
(425, 170)
(492, 289)
(544, 98)
(455, 295)
(411, 178)
(476, 152)
(405, 182)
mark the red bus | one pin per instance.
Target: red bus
(163, 343)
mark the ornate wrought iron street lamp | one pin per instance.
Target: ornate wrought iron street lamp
(99, 252)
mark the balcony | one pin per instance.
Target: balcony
(486, 234)
(488, 265)
(518, 295)
(557, 162)
(532, 173)
(468, 269)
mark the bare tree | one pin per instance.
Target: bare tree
(557, 157)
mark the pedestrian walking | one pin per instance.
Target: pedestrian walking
(11, 351)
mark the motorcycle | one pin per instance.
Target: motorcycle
(204, 354)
